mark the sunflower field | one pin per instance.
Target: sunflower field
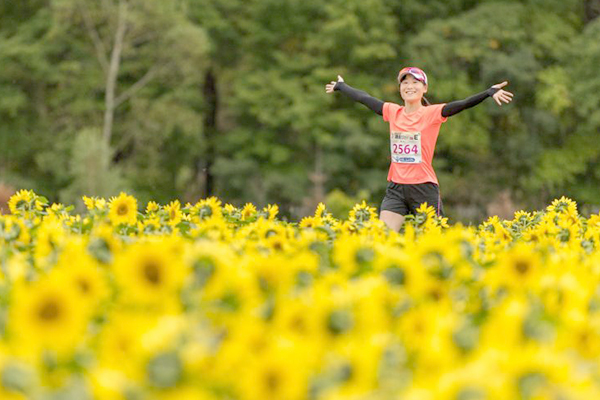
(209, 301)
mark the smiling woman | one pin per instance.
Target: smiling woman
(414, 130)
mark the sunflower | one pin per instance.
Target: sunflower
(270, 272)
(563, 205)
(248, 211)
(427, 333)
(150, 225)
(77, 268)
(321, 210)
(150, 270)
(280, 372)
(357, 363)
(229, 208)
(14, 228)
(102, 244)
(89, 202)
(123, 209)
(496, 231)
(592, 231)
(518, 268)
(594, 221)
(173, 210)
(362, 213)
(120, 347)
(569, 228)
(94, 203)
(59, 212)
(152, 207)
(23, 201)
(297, 318)
(208, 208)
(353, 255)
(271, 211)
(47, 314)
(310, 222)
(51, 236)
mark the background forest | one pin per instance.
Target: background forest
(191, 98)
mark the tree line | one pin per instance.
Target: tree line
(191, 98)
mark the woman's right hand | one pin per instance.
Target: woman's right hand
(502, 96)
(329, 88)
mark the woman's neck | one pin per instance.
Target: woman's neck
(413, 106)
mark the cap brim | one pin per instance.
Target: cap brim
(414, 76)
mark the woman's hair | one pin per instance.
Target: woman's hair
(424, 100)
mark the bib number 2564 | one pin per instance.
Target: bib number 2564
(406, 147)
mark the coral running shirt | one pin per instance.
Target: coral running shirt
(412, 142)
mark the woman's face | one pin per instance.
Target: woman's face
(411, 89)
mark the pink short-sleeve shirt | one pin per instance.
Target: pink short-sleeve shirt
(412, 141)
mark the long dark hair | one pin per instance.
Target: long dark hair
(424, 100)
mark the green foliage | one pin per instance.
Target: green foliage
(277, 136)
(55, 78)
(339, 203)
(91, 169)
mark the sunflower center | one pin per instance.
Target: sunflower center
(49, 311)
(419, 327)
(522, 267)
(436, 294)
(298, 324)
(124, 344)
(122, 209)
(152, 273)
(272, 380)
(83, 285)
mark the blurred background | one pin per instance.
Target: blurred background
(193, 98)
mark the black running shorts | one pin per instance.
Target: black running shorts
(404, 199)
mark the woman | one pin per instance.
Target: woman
(414, 129)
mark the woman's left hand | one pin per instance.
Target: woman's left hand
(502, 95)
(330, 87)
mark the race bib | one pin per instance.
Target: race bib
(406, 147)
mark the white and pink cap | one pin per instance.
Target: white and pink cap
(417, 73)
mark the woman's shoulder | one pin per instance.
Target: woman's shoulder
(392, 106)
(390, 111)
(433, 108)
(436, 106)
(434, 112)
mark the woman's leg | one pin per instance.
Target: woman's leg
(424, 193)
(394, 206)
(393, 220)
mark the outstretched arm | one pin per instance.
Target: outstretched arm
(495, 92)
(357, 95)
